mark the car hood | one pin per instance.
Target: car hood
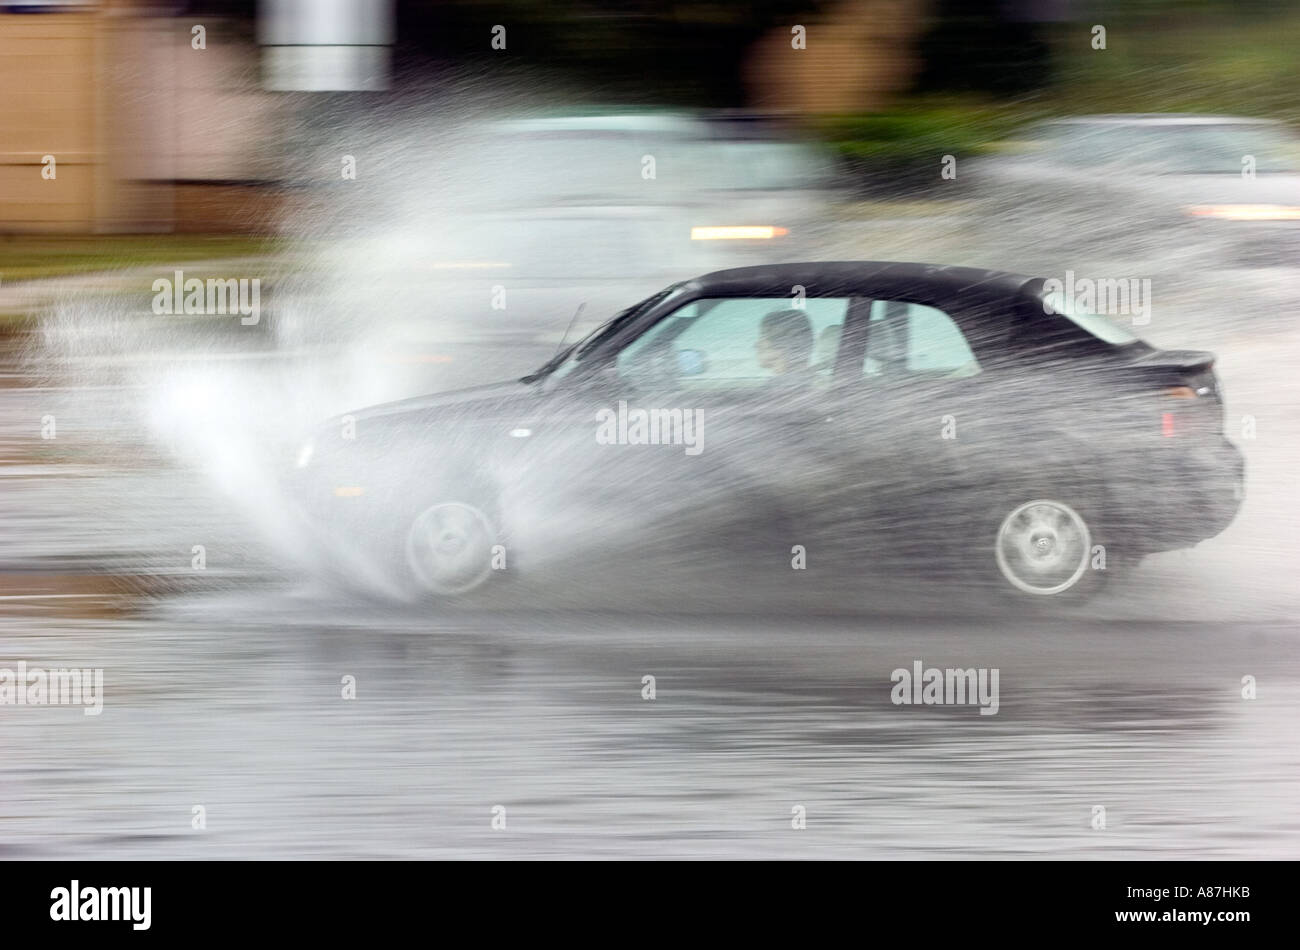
(489, 400)
(1181, 190)
(1225, 189)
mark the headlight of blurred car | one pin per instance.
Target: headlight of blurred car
(305, 453)
(1251, 212)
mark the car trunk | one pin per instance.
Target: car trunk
(1187, 393)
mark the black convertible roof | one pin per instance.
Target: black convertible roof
(866, 278)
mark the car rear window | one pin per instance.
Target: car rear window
(913, 339)
(1098, 325)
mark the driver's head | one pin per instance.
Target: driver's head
(785, 341)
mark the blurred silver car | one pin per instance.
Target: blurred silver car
(572, 215)
(702, 192)
(1150, 182)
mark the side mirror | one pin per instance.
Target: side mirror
(692, 363)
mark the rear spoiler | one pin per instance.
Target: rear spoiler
(1184, 361)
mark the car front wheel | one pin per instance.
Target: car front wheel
(449, 548)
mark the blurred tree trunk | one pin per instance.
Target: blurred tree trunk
(859, 55)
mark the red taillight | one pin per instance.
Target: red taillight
(1187, 399)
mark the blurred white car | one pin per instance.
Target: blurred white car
(1228, 185)
(596, 208)
(710, 191)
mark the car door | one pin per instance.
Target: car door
(905, 432)
(735, 455)
(766, 423)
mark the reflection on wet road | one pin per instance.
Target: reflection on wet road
(223, 688)
(235, 704)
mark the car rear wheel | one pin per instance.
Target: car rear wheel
(1044, 548)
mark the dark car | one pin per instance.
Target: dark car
(872, 419)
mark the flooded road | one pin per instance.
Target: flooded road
(224, 688)
(235, 704)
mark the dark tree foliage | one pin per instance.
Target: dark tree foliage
(986, 46)
(628, 50)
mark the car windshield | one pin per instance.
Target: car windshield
(541, 168)
(761, 166)
(551, 167)
(1099, 326)
(1173, 149)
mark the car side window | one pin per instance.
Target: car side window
(738, 344)
(912, 340)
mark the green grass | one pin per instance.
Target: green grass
(1158, 62)
(920, 130)
(1242, 65)
(26, 257)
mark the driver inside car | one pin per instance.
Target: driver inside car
(785, 349)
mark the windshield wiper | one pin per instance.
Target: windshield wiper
(550, 366)
(595, 336)
(580, 347)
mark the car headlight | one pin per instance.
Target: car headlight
(743, 232)
(1251, 212)
(305, 453)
